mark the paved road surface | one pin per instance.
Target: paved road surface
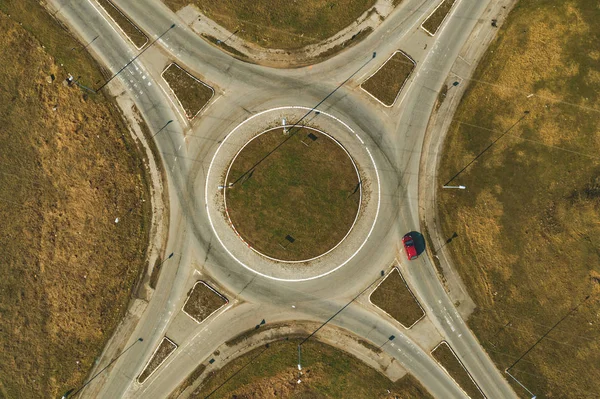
(395, 137)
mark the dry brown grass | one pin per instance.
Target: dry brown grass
(191, 92)
(396, 299)
(308, 192)
(432, 24)
(203, 301)
(280, 23)
(387, 82)
(131, 30)
(327, 373)
(529, 220)
(165, 348)
(68, 169)
(444, 355)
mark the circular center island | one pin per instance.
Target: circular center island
(292, 194)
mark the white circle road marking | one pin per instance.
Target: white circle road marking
(263, 274)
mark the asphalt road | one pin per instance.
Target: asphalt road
(394, 135)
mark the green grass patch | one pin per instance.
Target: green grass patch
(386, 84)
(203, 301)
(304, 188)
(69, 169)
(192, 93)
(448, 360)
(327, 373)
(280, 23)
(395, 298)
(529, 220)
(435, 20)
(131, 30)
(164, 350)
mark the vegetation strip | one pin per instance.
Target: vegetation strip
(394, 297)
(192, 93)
(202, 301)
(327, 373)
(280, 24)
(219, 43)
(528, 220)
(387, 82)
(448, 360)
(70, 168)
(300, 201)
(134, 34)
(161, 354)
(437, 17)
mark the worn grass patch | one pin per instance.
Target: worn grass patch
(192, 93)
(448, 360)
(165, 349)
(233, 51)
(269, 373)
(131, 31)
(435, 20)
(69, 168)
(395, 298)
(190, 379)
(280, 23)
(529, 220)
(386, 84)
(306, 189)
(203, 301)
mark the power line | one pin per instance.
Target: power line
(548, 332)
(488, 147)
(295, 125)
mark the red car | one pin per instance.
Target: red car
(409, 247)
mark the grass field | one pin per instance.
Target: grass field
(203, 301)
(133, 32)
(305, 189)
(165, 348)
(68, 169)
(444, 355)
(432, 24)
(386, 83)
(269, 373)
(280, 23)
(529, 221)
(191, 92)
(395, 298)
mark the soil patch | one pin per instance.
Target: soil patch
(192, 93)
(295, 196)
(131, 30)
(448, 360)
(529, 220)
(165, 349)
(69, 169)
(280, 24)
(395, 298)
(202, 301)
(435, 20)
(327, 373)
(386, 84)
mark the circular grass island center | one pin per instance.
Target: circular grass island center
(294, 196)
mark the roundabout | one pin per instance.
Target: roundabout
(295, 206)
(205, 241)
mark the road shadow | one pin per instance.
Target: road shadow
(419, 241)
